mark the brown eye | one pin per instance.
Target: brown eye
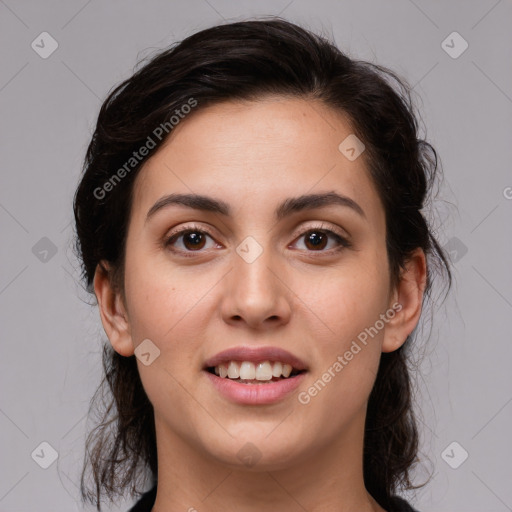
(188, 240)
(194, 240)
(316, 240)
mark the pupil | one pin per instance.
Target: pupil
(194, 239)
(314, 239)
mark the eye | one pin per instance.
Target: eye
(190, 239)
(317, 238)
(193, 239)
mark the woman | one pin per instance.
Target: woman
(250, 222)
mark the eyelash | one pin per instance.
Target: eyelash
(342, 241)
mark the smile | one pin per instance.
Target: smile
(249, 372)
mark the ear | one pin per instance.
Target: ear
(407, 298)
(112, 311)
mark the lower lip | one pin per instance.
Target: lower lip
(255, 394)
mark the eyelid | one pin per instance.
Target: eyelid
(191, 227)
(322, 226)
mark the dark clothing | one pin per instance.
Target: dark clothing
(400, 505)
(147, 501)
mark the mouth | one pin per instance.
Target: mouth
(252, 391)
(255, 375)
(260, 373)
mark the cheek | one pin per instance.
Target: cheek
(347, 358)
(168, 307)
(344, 301)
(161, 306)
(159, 297)
(345, 310)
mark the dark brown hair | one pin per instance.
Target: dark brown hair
(246, 61)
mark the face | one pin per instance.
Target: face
(261, 271)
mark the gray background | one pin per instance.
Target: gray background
(51, 337)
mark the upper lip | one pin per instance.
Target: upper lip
(255, 355)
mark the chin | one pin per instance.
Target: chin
(258, 452)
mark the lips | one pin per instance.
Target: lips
(255, 355)
(256, 392)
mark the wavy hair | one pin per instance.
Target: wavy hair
(245, 61)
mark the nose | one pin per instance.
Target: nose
(256, 293)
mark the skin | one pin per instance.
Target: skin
(312, 302)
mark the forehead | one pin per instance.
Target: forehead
(261, 150)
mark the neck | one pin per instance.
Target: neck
(329, 477)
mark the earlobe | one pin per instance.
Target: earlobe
(112, 311)
(409, 296)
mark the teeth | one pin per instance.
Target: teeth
(233, 370)
(287, 369)
(247, 370)
(277, 370)
(264, 371)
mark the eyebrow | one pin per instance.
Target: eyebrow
(287, 207)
